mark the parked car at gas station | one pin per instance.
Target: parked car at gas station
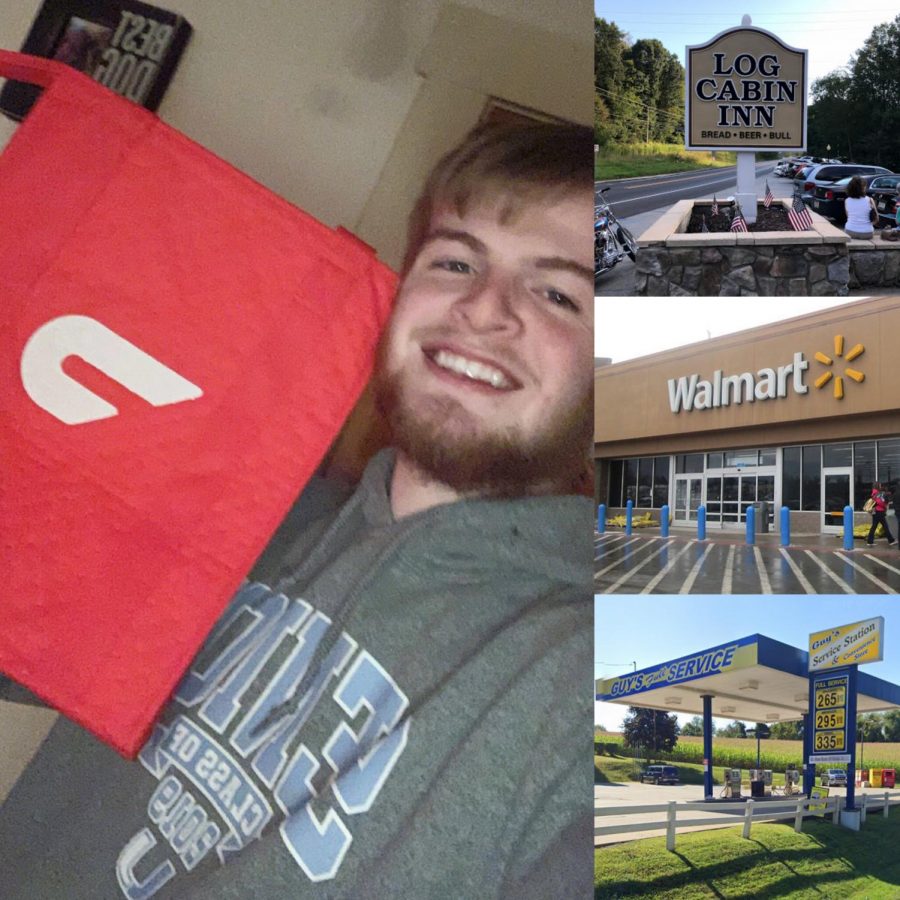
(835, 778)
(660, 775)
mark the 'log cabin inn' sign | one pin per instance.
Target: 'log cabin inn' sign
(746, 90)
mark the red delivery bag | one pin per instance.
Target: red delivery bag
(179, 349)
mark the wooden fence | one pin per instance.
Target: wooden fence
(752, 811)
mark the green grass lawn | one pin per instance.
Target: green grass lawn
(825, 862)
(635, 160)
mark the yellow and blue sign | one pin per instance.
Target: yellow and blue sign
(847, 645)
(830, 718)
(724, 658)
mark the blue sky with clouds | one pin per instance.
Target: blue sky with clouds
(831, 30)
(654, 629)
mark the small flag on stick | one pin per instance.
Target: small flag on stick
(715, 207)
(798, 215)
(703, 227)
(738, 223)
(769, 196)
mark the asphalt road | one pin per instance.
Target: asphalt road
(640, 564)
(630, 196)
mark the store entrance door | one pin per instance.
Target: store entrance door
(837, 492)
(688, 493)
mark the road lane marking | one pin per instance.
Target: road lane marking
(689, 581)
(657, 578)
(729, 571)
(631, 572)
(886, 587)
(796, 570)
(839, 581)
(763, 577)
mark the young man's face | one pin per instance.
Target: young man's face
(485, 372)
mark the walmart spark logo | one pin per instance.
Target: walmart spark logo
(825, 377)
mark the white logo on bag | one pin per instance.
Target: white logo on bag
(64, 398)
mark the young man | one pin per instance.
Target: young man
(397, 702)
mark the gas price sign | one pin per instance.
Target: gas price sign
(829, 742)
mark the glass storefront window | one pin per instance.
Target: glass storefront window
(863, 472)
(713, 460)
(688, 462)
(645, 482)
(660, 481)
(741, 458)
(889, 461)
(616, 468)
(836, 455)
(790, 477)
(767, 457)
(812, 477)
(629, 491)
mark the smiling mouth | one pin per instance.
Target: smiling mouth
(471, 369)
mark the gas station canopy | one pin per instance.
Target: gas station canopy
(753, 679)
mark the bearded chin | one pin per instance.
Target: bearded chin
(447, 444)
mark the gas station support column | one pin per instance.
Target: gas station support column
(809, 771)
(851, 735)
(707, 747)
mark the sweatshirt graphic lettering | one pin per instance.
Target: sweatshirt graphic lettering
(234, 755)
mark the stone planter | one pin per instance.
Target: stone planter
(767, 263)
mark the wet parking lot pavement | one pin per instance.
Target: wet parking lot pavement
(652, 564)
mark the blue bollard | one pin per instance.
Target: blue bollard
(629, 507)
(751, 525)
(601, 518)
(848, 527)
(664, 520)
(701, 523)
(785, 527)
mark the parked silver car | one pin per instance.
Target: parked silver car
(829, 173)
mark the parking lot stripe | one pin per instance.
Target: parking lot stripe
(729, 571)
(689, 581)
(882, 563)
(840, 582)
(618, 562)
(631, 572)
(763, 577)
(659, 577)
(796, 570)
(886, 587)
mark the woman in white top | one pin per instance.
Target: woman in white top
(858, 204)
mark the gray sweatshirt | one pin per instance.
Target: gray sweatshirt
(386, 709)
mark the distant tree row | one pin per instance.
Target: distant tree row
(856, 110)
(639, 89)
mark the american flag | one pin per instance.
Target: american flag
(738, 223)
(703, 227)
(798, 215)
(715, 207)
(769, 196)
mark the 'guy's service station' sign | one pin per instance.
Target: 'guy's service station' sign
(746, 90)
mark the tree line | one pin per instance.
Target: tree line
(658, 731)
(639, 89)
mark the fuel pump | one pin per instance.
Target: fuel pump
(732, 783)
(791, 782)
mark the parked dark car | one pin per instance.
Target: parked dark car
(885, 191)
(660, 775)
(828, 199)
(829, 173)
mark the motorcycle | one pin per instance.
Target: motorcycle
(612, 240)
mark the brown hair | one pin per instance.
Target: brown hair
(513, 162)
(857, 187)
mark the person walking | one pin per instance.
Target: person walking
(879, 515)
(860, 209)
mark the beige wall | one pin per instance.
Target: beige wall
(633, 416)
(341, 107)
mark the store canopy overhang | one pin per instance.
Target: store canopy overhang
(752, 679)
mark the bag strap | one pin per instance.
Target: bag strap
(31, 69)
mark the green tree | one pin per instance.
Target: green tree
(891, 729)
(650, 729)
(694, 727)
(787, 731)
(733, 729)
(870, 727)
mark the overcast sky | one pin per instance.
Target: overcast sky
(831, 30)
(628, 327)
(641, 631)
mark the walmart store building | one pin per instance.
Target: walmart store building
(803, 413)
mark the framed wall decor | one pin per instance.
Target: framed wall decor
(131, 47)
